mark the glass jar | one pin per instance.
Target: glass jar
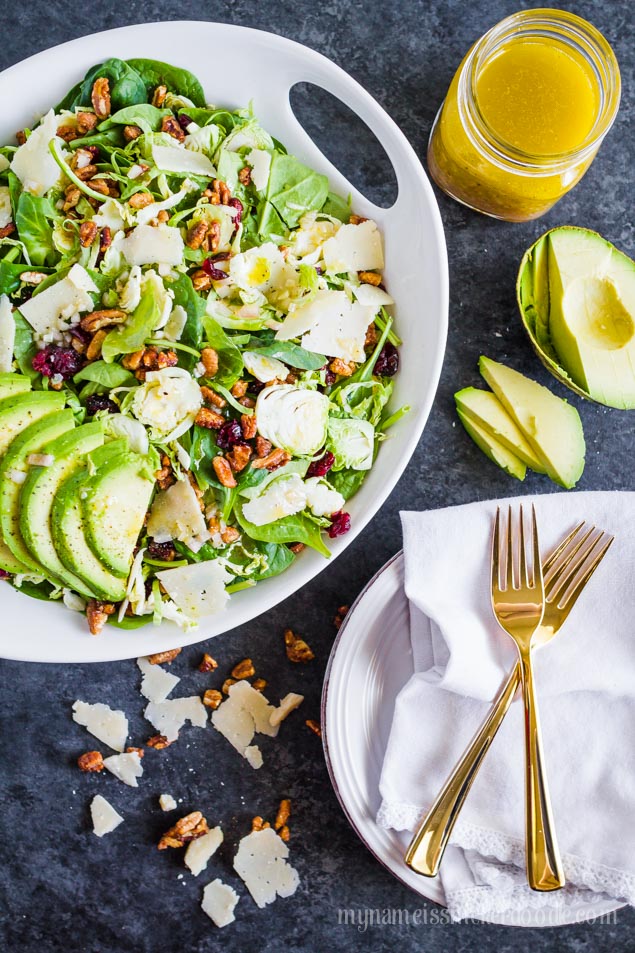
(471, 161)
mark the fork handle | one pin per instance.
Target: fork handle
(544, 867)
(427, 847)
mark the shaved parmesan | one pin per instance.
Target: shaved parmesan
(7, 334)
(197, 589)
(287, 704)
(109, 726)
(200, 850)
(331, 324)
(148, 245)
(284, 496)
(261, 862)
(6, 212)
(113, 215)
(105, 817)
(176, 323)
(176, 514)
(178, 159)
(321, 498)
(167, 802)
(156, 683)
(354, 248)
(146, 214)
(169, 716)
(61, 301)
(219, 902)
(33, 163)
(260, 162)
(126, 767)
(253, 756)
(372, 297)
(256, 704)
(244, 713)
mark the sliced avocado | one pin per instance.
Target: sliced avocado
(488, 414)
(31, 440)
(17, 413)
(13, 384)
(592, 314)
(115, 507)
(550, 425)
(71, 545)
(493, 449)
(38, 493)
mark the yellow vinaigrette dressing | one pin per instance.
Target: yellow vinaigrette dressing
(525, 114)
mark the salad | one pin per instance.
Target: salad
(196, 362)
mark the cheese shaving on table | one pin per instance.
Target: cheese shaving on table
(219, 902)
(245, 713)
(200, 850)
(125, 767)
(156, 683)
(287, 704)
(100, 720)
(261, 862)
(168, 717)
(105, 817)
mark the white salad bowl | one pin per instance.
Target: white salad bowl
(416, 274)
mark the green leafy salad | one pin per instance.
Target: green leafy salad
(196, 361)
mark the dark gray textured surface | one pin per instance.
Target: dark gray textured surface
(60, 888)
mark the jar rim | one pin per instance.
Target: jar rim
(569, 28)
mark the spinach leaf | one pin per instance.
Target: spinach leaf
(126, 86)
(278, 559)
(194, 305)
(230, 361)
(270, 225)
(147, 117)
(205, 553)
(108, 375)
(132, 335)
(129, 621)
(15, 190)
(153, 73)
(10, 276)
(290, 529)
(31, 221)
(107, 141)
(36, 590)
(24, 348)
(347, 482)
(294, 188)
(202, 451)
(293, 355)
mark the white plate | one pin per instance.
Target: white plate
(236, 65)
(370, 662)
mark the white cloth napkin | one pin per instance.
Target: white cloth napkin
(586, 689)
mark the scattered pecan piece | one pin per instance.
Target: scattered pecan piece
(140, 199)
(93, 351)
(86, 121)
(97, 320)
(314, 726)
(132, 132)
(248, 426)
(207, 663)
(211, 397)
(158, 742)
(91, 761)
(284, 833)
(227, 684)
(284, 813)
(258, 824)
(343, 368)
(158, 97)
(244, 669)
(276, 458)
(259, 684)
(100, 97)
(340, 615)
(209, 360)
(297, 547)
(244, 176)
(186, 829)
(239, 456)
(356, 219)
(138, 751)
(163, 658)
(209, 419)
(212, 698)
(296, 648)
(7, 230)
(97, 613)
(201, 281)
(223, 471)
(369, 278)
(263, 447)
(239, 389)
(173, 128)
(229, 535)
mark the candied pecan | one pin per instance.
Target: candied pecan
(212, 698)
(97, 613)
(277, 458)
(158, 742)
(97, 320)
(100, 186)
(100, 97)
(155, 360)
(158, 97)
(244, 176)
(284, 833)
(248, 426)
(140, 199)
(67, 133)
(132, 132)
(369, 278)
(7, 230)
(138, 751)
(342, 368)
(196, 234)
(244, 669)
(296, 648)
(227, 684)
(165, 477)
(239, 457)
(314, 726)
(212, 238)
(86, 121)
(356, 219)
(72, 195)
(87, 234)
(371, 337)
(297, 547)
(186, 829)
(20, 137)
(163, 217)
(163, 658)
(86, 172)
(91, 761)
(209, 419)
(211, 397)
(239, 389)
(284, 812)
(263, 447)
(247, 402)
(209, 360)
(171, 125)
(132, 361)
(229, 535)
(223, 472)
(340, 615)
(207, 663)
(258, 824)
(259, 684)
(201, 281)
(223, 191)
(105, 238)
(93, 351)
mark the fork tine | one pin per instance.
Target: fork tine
(553, 556)
(567, 570)
(573, 592)
(496, 552)
(556, 568)
(523, 572)
(537, 567)
(510, 553)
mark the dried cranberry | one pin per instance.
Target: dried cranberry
(184, 121)
(229, 435)
(164, 551)
(387, 364)
(340, 524)
(96, 402)
(216, 274)
(80, 335)
(254, 387)
(94, 151)
(329, 377)
(321, 467)
(238, 205)
(3, 574)
(52, 360)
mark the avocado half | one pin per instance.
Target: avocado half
(576, 295)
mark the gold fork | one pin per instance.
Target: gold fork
(566, 571)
